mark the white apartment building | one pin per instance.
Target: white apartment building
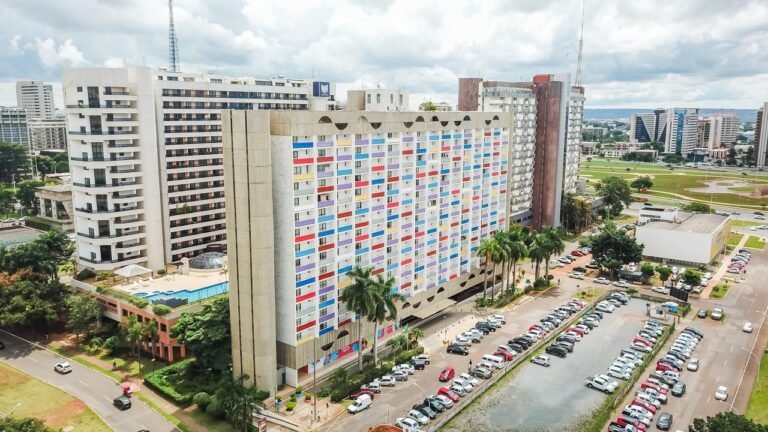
(575, 121)
(145, 156)
(718, 130)
(761, 134)
(36, 98)
(13, 126)
(677, 128)
(377, 100)
(47, 134)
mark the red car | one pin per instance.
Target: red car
(656, 387)
(447, 374)
(645, 342)
(636, 423)
(650, 407)
(506, 355)
(664, 367)
(577, 253)
(537, 327)
(576, 330)
(361, 392)
(448, 393)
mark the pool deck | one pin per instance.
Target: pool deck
(172, 283)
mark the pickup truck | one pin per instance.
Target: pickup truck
(602, 383)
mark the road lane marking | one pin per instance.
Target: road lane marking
(83, 383)
(732, 348)
(725, 363)
(34, 360)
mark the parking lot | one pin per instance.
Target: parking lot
(553, 398)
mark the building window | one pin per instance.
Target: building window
(368, 97)
(378, 98)
(79, 89)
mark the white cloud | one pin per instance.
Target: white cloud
(114, 62)
(52, 56)
(14, 42)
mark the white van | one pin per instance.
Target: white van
(362, 402)
(495, 360)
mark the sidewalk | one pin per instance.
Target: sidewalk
(723, 267)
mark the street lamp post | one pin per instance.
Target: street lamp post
(325, 348)
(445, 331)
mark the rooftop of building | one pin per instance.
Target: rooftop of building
(57, 188)
(690, 222)
(12, 234)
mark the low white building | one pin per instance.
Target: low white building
(683, 237)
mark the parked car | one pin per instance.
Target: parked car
(386, 381)
(541, 360)
(717, 314)
(407, 423)
(747, 327)
(693, 365)
(481, 372)
(374, 387)
(601, 280)
(665, 421)
(702, 313)
(445, 400)
(601, 383)
(426, 410)
(448, 393)
(469, 378)
(405, 368)
(362, 402)
(399, 375)
(616, 371)
(434, 404)
(556, 350)
(422, 357)
(678, 389)
(621, 284)
(457, 349)
(506, 355)
(447, 374)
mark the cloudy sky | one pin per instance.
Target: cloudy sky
(704, 53)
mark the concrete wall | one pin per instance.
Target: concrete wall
(547, 175)
(248, 179)
(682, 246)
(469, 93)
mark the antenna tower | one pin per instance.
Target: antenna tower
(581, 47)
(173, 49)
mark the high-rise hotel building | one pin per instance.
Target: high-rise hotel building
(146, 157)
(548, 117)
(311, 195)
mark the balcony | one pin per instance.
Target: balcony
(124, 185)
(99, 265)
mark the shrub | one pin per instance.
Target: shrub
(214, 408)
(307, 396)
(278, 398)
(299, 389)
(96, 341)
(103, 275)
(161, 309)
(290, 405)
(293, 397)
(161, 272)
(202, 400)
(157, 381)
(85, 274)
(540, 283)
(324, 392)
(112, 343)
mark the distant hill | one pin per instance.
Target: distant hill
(746, 115)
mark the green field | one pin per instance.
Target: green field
(757, 409)
(671, 183)
(39, 400)
(719, 291)
(734, 238)
(754, 242)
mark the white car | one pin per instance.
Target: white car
(602, 383)
(499, 318)
(407, 424)
(63, 368)
(616, 371)
(660, 290)
(601, 280)
(399, 375)
(639, 346)
(721, 393)
(747, 328)
(625, 363)
(405, 368)
(386, 381)
(418, 416)
(576, 275)
(645, 397)
(621, 284)
(640, 410)
(469, 378)
(693, 365)
(466, 385)
(605, 307)
(541, 360)
(707, 275)
(459, 340)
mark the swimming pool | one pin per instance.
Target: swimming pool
(193, 295)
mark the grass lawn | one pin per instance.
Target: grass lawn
(589, 293)
(719, 291)
(734, 238)
(741, 189)
(744, 224)
(211, 423)
(757, 409)
(37, 399)
(754, 242)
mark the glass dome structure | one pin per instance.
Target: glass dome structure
(207, 261)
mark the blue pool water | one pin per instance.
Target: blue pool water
(191, 296)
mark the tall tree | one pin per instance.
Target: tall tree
(131, 330)
(726, 422)
(27, 424)
(647, 270)
(553, 245)
(149, 333)
(414, 335)
(207, 334)
(384, 308)
(502, 239)
(749, 157)
(29, 303)
(359, 297)
(15, 162)
(664, 273)
(615, 193)
(611, 247)
(537, 251)
(487, 250)
(240, 402)
(26, 194)
(7, 200)
(83, 313)
(692, 277)
(730, 160)
(642, 182)
(517, 250)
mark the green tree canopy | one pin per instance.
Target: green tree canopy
(385, 307)
(615, 193)
(15, 162)
(7, 199)
(15, 424)
(726, 422)
(653, 145)
(207, 334)
(360, 298)
(240, 402)
(83, 313)
(612, 246)
(429, 106)
(27, 303)
(698, 207)
(692, 277)
(26, 193)
(664, 272)
(642, 182)
(647, 270)
(731, 160)
(673, 159)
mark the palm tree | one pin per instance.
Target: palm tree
(517, 250)
(360, 299)
(240, 402)
(553, 244)
(486, 250)
(398, 343)
(499, 256)
(384, 308)
(150, 333)
(414, 335)
(133, 331)
(537, 251)
(502, 238)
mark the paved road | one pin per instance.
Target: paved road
(93, 388)
(725, 350)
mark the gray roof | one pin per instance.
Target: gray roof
(697, 222)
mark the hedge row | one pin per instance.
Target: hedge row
(156, 381)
